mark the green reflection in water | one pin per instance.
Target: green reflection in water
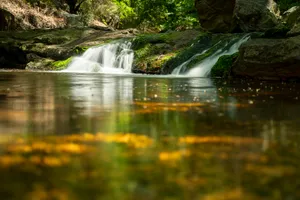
(67, 136)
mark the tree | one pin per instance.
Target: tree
(74, 5)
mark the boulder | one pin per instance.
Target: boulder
(233, 15)
(291, 16)
(295, 29)
(292, 19)
(256, 15)
(269, 59)
(216, 15)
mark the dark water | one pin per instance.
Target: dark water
(88, 136)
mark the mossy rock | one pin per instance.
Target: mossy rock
(152, 51)
(209, 42)
(223, 66)
(61, 64)
(48, 64)
(152, 65)
(49, 39)
(40, 64)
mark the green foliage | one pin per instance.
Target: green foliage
(159, 15)
(127, 15)
(286, 4)
(166, 14)
(223, 66)
(80, 50)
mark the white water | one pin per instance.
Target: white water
(203, 68)
(178, 69)
(114, 58)
(117, 58)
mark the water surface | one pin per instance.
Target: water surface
(93, 136)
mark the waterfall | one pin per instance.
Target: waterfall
(178, 70)
(203, 68)
(111, 58)
(117, 58)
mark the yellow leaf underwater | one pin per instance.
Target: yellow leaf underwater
(160, 104)
(174, 155)
(134, 140)
(218, 139)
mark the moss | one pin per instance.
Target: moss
(152, 51)
(80, 49)
(61, 64)
(142, 40)
(176, 38)
(152, 65)
(223, 66)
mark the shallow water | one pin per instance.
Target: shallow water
(93, 136)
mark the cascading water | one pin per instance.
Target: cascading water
(110, 58)
(203, 68)
(117, 58)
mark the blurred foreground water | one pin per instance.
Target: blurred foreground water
(95, 136)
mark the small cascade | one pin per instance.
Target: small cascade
(203, 68)
(111, 58)
(181, 68)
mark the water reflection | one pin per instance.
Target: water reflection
(147, 138)
(101, 93)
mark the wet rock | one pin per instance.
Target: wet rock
(269, 59)
(223, 66)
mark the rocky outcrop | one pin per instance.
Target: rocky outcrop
(216, 15)
(292, 18)
(233, 15)
(269, 59)
(256, 15)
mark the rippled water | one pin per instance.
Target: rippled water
(93, 136)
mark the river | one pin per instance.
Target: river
(98, 136)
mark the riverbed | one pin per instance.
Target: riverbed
(99, 136)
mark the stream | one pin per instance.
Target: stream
(123, 136)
